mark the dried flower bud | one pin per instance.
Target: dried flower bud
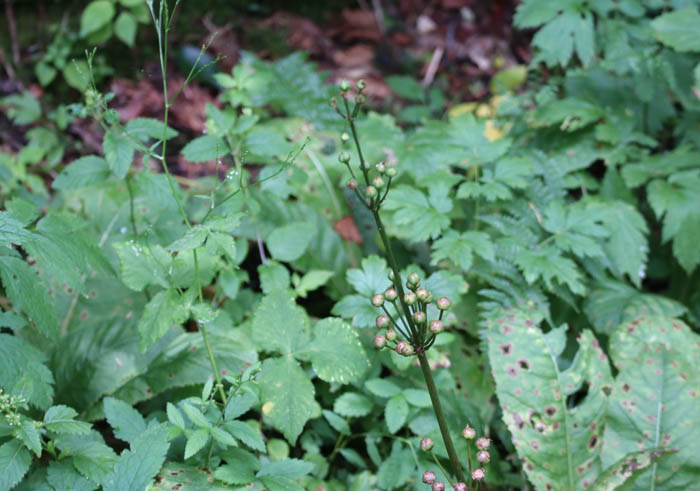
(429, 477)
(391, 172)
(381, 167)
(436, 326)
(382, 321)
(390, 294)
(443, 303)
(483, 456)
(344, 85)
(378, 182)
(343, 157)
(413, 280)
(483, 442)
(426, 444)
(438, 486)
(478, 474)
(379, 342)
(391, 335)
(351, 184)
(371, 191)
(468, 432)
(460, 486)
(419, 317)
(409, 298)
(377, 299)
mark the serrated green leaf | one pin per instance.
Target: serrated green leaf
(187, 478)
(358, 309)
(148, 128)
(196, 441)
(417, 216)
(547, 263)
(204, 149)
(417, 397)
(83, 172)
(125, 28)
(62, 475)
(289, 242)
(395, 413)
(192, 239)
(166, 309)
(175, 416)
(91, 456)
(239, 405)
(234, 474)
(97, 14)
(22, 108)
(352, 405)
(222, 436)
(312, 280)
(24, 371)
(29, 435)
(267, 141)
(679, 29)
(137, 467)
(395, 470)
(126, 422)
(336, 352)
(459, 248)
(143, 265)
(12, 231)
(558, 442)
(287, 395)
(247, 434)
(118, 151)
(14, 463)
(290, 468)
(337, 422)
(61, 419)
(628, 468)
(279, 324)
(372, 278)
(196, 416)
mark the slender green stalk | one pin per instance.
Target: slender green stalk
(163, 53)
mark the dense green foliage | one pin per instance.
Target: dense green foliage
(219, 333)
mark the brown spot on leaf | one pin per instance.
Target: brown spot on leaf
(506, 349)
(593, 442)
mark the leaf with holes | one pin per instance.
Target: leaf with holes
(654, 401)
(554, 414)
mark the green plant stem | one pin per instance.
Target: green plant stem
(442, 422)
(163, 54)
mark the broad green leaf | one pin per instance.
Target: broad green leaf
(62, 475)
(192, 239)
(267, 141)
(83, 172)
(371, 279)
(91, 456)
(95, 16)
(61, 419)
(137, 467)
(382, 387)
(22, 108)
(279, 324)
(575, 228)
(557, 437)
(611, 303)
(119, 152)
(273, 276)
(239, 405)
(337, 422)
(148, 128)
(24, 371)
(291, 468)
(126, 422)
(29, 435)
(418, 397)
(406, 87)
(196, 441)
(395, 413)
(287, 395)
(14, 463)
(460, 248)
(223, 437)
(166, 309)
(418, 218)
(357, 308)
(336, 352)
(125, 28)
(175, 416)
(352, 405)
(143, 265)
(234, 474)
(196, 416)
(628, 468)
(205, 148)
(658, 389)
(396, 469)
(29, 295)
(547, 263)
(12, 231)
(289, 242)
(247, 434)
(312, 280)
(186, 477)
(679, 29)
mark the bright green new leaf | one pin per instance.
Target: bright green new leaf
(61, 419)
(547, 263)
(279, 324)
(137, 467)
(382, 387)
(679, 29)
(289, 242)
(118, 151)
(83, 172)
(395, 413)
(291, 468)
(126, 422)
(205, 148)
(558, 437)
(247, 434)
(460, 248)
(418, 218)
(352, 405)
(125, 28)
(371, 279)
(143, 265)
(196, 441)
(95, 16)
(14, 463)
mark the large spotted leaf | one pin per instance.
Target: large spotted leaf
(553, 413)
(656, 401)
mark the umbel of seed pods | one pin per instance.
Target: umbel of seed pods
(482, 456)
(408, 336)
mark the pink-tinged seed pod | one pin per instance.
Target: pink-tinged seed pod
(351, 184)
(468, 432)
(409, 298)
(379, 341)
(460, 486)
(483, 443)
(438, 486)
(413, 279)
(344, 157)
(443, 303)
(483, 456)
(391, 335)
(378, 300)
(408, 350)
(422, 293)
(390, 294)
(371, 191)
(401, 346)
(419, 317)
(426, 444)
(429, 477)
(382, 321)
(391, 172)
(378, 182)
(381, 167)
(478, 474)
(436, 326)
